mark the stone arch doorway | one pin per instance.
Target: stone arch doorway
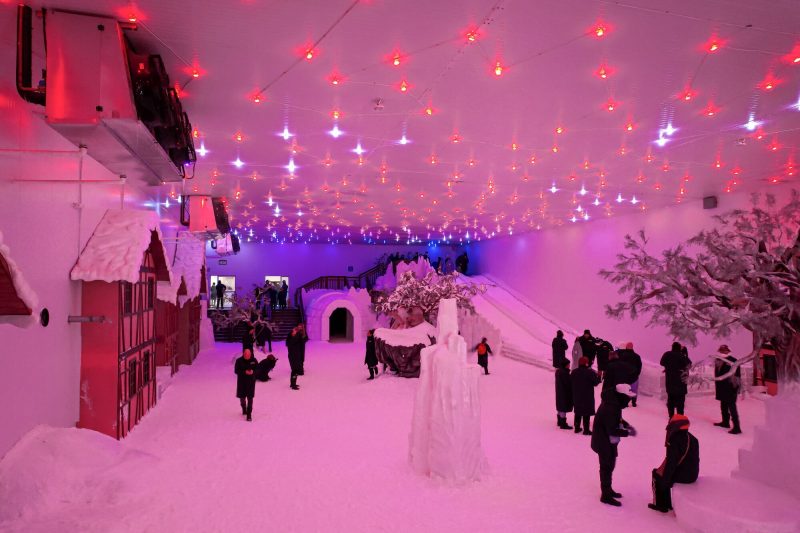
(340, 325)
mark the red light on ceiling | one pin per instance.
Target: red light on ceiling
(455, 138)
(433, 159)
(794, 56)
(498, 68)
(629, 127)
(555, 149)
(336, 114)
(713, 44)
(238, 137)
(657, 186)
(195, 73)
(688, 94)
(600, 30)
(560, 130)
(610, 105)
(774, 146)
(335, 78)
(774, 179)
(196, 133)
(718, 164)
(603, 72)
(710, 110)
(132, 18)
(428, 111)
(309, 55)
(736, 171)
(403, 86)
(514, 146)
(471, 34)
(396, 58)
(768, 83)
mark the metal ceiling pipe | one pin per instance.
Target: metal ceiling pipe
(34, 95)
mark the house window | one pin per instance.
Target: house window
(151, 292)
(146, 369)
(127, 297)
(132, 368)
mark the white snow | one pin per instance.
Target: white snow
(388, 281)
(333, 456)
(24, 291)
(115, 249)
(190, 257)
(408, 337)
(445, 440)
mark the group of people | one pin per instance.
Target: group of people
(441, 265)
(248, 369)
(619, 371)
(271, 296)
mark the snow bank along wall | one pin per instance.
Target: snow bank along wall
(557, 270)
(39, 367)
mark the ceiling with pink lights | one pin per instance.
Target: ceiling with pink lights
(390, 120)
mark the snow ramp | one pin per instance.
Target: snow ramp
(526, 330)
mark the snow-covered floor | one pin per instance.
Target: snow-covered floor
(333, 457)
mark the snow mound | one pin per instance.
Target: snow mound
(729, 505)
(53, 468)
(419, 334)
(114, 251)
(190, 257)
(24, 291)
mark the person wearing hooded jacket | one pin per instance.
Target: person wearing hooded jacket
(727, 389)
(296, 344)
(634, 362)
(681, 464)
(608, 429)
(584, 380)
(676, 364)
(563, 395)
(371, 358)
(560, 346)
(245, 369)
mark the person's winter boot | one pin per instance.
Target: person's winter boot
(371, 373)
(563, 424)
(293, 384)
(244, 408)
(657, 508)
(723, 424)
(614, 494)
(608, 499)
(249, 418)
(736, 430)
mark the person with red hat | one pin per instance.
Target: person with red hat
(727, 388)
(681, 465)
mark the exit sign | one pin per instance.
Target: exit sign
(223, 261)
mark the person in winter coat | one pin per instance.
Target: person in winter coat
(264, 367)
(727, 389)
(559, 349)
(371, 358)
(584, 380)
(296, 344)
(634, 362)
(263, 335)
(602, 351)
(273, 296)
(283, 292)
(676, 365)
(617, 371)
(608, 429)
(249, 336)
(219, 290)
(588, 347)
(245, 370)
(681, 465)
(563, 395)
(483, 349)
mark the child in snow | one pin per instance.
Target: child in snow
(563, 394)
(483, 350)
(245, 369)
(371, 360)
(681, 465)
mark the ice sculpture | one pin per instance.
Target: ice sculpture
(445, 440)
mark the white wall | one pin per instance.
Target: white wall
(557, 270)
(39, 367)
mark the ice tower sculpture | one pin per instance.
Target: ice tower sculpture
(445, 439)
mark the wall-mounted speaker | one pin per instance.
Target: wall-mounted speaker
(710, 202)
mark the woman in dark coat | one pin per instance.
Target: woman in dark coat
(584, 380)
(263, 335)
(563, 394)
(559, 349)
(726, 390)
(681, 465)
(245, 370)
(296, 344)
(371, 359)
(676, 364)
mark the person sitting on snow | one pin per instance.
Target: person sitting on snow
(681, 465)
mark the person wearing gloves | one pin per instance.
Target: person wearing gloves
(608, 429)
(727, 389)
(584, 380)
(245, 370)
(563, 394)
(681, 465)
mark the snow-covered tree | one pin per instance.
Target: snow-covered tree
(243, 309)
(426, 293)
(745, 272)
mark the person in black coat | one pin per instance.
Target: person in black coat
(681, 465)
(676, 366)
(617, 371)
(726, 390)
(563, 394)
(602, 351)
(371, 358)
(296, 344)
(283, 293)
(249, 337)
(634, 362)
(265, 366)
(559, 349)
(588, 346)
(263, 334)
(245, 370)
(273, 296)
(608, 429)
(584, 380)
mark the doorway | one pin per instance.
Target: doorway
(226, 302)
(341, 325)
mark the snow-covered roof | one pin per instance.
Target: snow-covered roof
(115, 250)
(190, 256)
(21, 287)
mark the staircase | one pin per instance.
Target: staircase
(365, 280)
(283, 321)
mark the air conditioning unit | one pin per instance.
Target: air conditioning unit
(101, 94)
(206, 215)
(226, 245)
